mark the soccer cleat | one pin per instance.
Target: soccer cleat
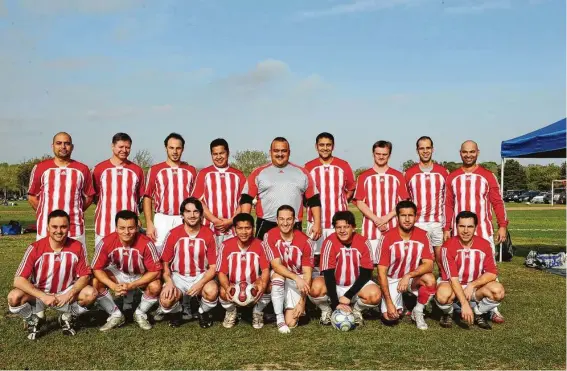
(229, 318)
(175, 319)
(446, 320)
(67, 321)
(257, 320)
(205, 320)
(283, 329)
(419, 319)
(112, 322)
(33, 325)
(497, 317)
(481, 322)
(325, 319)
(142, 320)
(358, 319)
(187, 315)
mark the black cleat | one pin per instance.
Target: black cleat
(205, 320)
(446, 321)
(175, 319)
(33, 324)
(481, 322)
(67, 323)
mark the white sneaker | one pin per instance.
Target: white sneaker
(358, 319)
(142, 320)
(257, 320)
(283, 329)
(113, 322)
(419, 319)
(229, 318)
(325, 319)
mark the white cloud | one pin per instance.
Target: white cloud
(79, 6)
(357, 6)
(471, 6)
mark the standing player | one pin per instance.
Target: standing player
(242, 259)
(119, 185)
(126, 260)
(219, 187)
(335, 181)
(346, 265)
(469, 274)
(53, 273)
(405, 264)
(189, 258)
(426, 186)
(169, 183)
(290, 253)
(280, 183)
(475, 188)
(64, 184)
(378, 191)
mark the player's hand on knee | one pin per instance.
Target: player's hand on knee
(49, 300)
(302, 285)
(227, 293)
(467, 314)
(469, 290)
(64, 299)
(403, 284)
(168, 291)
(392, 312)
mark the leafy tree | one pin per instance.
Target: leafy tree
(540, 177)
(8, 179)
(144, 159)
(248, 160)
(24, 172)
(359, 171)
(493, 167)
(406, 165)
(514, 175)
(563, 170)
(451, 165)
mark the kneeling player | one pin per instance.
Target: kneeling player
(242, 259)
(405, 263)
(290, 252)
(126, 260)
(469, 274)
(346, 265)
(189, 257)
(59, 276)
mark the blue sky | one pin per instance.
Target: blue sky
(248, 71)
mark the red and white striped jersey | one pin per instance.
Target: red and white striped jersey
(403, 256)
(117, 188)
(333, 181)
(139, 258)
(294, 254)
(61, 188)
(169, 186)
(381, 192)
(346, 260)
(189, 255)
(478, 192)
(242, 265)
(50, 271)
(427, 191)
(220, 189)
(467, 263)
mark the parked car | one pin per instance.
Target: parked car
(527, 196)
(511, 195)
(542, 198)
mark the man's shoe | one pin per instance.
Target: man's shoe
(257, 320)
(358, 319)
(113, 322)
(446, 320)
(33, 324)
(481, 322)
(325, 319)
(497, 317)
(175, 319)
(229, 318)
(67, 322)
(187, 315)
(159, 315)
(205, 320)
(142, 320)
(419, 319)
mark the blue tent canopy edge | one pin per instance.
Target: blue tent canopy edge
(547, 142)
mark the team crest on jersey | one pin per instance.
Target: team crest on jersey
(118, 172)
(174, 171)
(382, 180)
(281, 171)
(406, 245)
(63, 172)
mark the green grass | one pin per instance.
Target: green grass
(533, 336)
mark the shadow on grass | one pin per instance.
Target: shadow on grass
(523, 250)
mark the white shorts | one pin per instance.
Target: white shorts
(184, 283)
(97, 239)
(122, 277)
(341, 290)
(435, 232)
(40, 306)
(319, 243)
(291, 294)
(163, 224)
(374, 246)
(395, 295)
(219, 239)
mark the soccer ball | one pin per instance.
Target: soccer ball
(342, 321)
(243, 294)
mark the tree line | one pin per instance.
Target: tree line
(14, 178)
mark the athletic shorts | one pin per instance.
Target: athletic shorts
(319, 243)
(341, 290)
(40, 306)
(185, 283)
(163, 224)
(219, 239)
(435, 232)
(395, 295)
(122, 277)
(374, 246)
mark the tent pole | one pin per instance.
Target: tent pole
(552, 183)
(502, 194)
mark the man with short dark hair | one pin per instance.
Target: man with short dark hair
(53, 273)
(119, 185)
(126, 260)
(280, 183)
(468, 274)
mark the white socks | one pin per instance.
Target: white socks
(146, 304)
(322, 302)
(107, 303)
(261, 304)
(485, 306)
(207, 305)
(24, 311)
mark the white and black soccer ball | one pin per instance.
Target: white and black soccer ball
(342, 320)
(243, 294)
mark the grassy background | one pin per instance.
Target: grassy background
(533, 336)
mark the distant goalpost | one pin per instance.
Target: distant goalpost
(562, 182)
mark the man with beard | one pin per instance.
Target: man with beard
(475, 188)
(405, 263)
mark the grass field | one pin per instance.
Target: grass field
(533, 336)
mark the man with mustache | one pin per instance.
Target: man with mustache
(475, 188)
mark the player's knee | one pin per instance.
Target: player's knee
(372, 296)
(444, 296)
(98, 286)
(210, 291)
(498, 292)
(154, 288)
(87, 296)
(166, 303)
(428, 280)
(318, 288)
(15, 298)
(222, 294)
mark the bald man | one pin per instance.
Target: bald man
(475, 188)
(61, 183)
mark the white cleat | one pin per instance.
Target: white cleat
(142, 320)
(257, 320)
(283, 329)
(419, 319)
(229, 318)
(113, 322)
